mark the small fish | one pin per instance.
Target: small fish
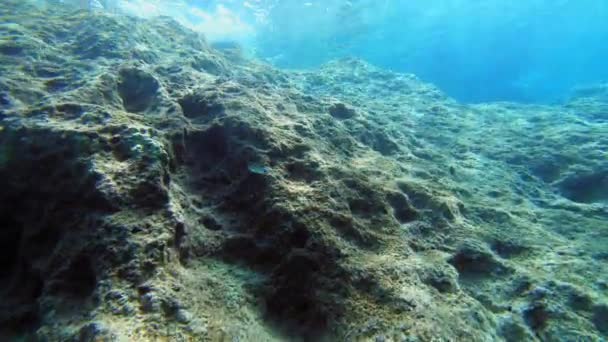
(258, 169)
(1, 129)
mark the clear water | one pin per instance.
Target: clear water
(490, 50)
(474, 50)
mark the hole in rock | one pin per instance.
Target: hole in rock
(78, 280)
(241, 247)
(508, 248)
(600, 318)
(69, 110)
(403, 210)
(208, 148)
(474, 259)
(41, 244)
(344, 225)
(20, 308)
(137, 89)
(293, 299)
(179, 234)
(57, 84)
(363, 207)
(302, 171)
(27, 285)
(211, 223)
(341, 111)
(586, 187)
(299, 237)
(11, 49)
(10, 241)
(380, 142)
(547, 169)
(536, 316)
(49, 205)
(195, 104)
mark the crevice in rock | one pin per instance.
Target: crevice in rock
(473, 259)
(263, 235)
(403, 210)
(198, 104)
(50, 209)
(76, 281)
(341, 111)
(600, 318)
(536, 316)
(585, 187)
(137, 89)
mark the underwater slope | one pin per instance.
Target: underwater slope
(156, 188)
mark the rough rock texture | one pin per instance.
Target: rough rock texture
(154, 187)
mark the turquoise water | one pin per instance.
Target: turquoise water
(531, 51)
(476, 51)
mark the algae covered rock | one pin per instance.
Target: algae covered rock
(157, 188)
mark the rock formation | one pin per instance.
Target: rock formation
(155, 187)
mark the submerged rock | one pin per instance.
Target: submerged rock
(154, 188)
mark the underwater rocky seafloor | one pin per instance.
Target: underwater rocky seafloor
(156, 188)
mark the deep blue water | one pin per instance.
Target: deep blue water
(529, 51)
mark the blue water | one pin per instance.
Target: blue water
(474, 50)
(527, 51)
(531, 51)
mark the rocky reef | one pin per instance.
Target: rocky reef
(157, 188)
